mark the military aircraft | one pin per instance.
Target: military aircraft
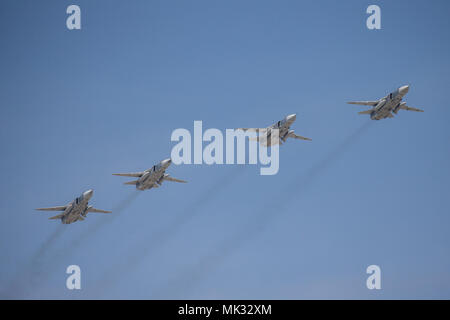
(151, 178)
(76, 210)
(384, 107)
(284, 131)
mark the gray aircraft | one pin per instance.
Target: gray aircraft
(284, 132)
(151, 178)
(384, 107)
(76, 210)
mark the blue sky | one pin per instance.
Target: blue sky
(77, 106)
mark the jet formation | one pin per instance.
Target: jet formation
(384, 107)
(76, 210)
(151, 178)
(284, 131)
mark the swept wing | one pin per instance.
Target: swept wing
(92, 209)
(364, 103)
(405, 107)
(296, 136)
(169, 178)
(60, 208)
(131, 174)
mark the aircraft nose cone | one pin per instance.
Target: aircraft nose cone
(292, 117)
(167, 162)
(88, 194)
(404, 89)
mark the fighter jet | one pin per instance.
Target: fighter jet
(384, 107)
(284, 131)
(151, 178)
(76, 210)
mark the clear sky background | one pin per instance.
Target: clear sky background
(76, 106)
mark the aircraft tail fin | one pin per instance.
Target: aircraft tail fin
(366, 112)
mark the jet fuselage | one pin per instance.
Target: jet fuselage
(77, 209)
(389, 104)
(283, 127)
(153, 177)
